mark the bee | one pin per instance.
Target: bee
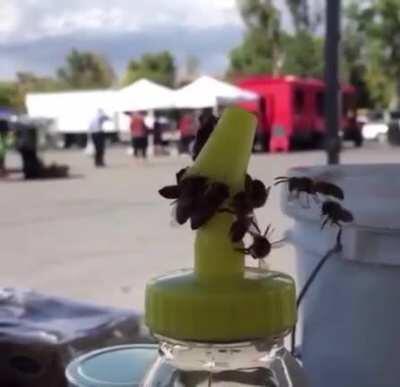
(207, 125)
(328, 189)
(239, 228)
(208, 204)
(186, 195)
(261, 246)
(255, 195)
(334, 213)
(298, 185)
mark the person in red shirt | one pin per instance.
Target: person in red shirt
(139, 135)
(187, 127)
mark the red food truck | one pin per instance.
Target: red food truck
(291, 111)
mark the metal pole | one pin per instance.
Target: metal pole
(333, 92)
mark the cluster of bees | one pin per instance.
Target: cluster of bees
(197, 199)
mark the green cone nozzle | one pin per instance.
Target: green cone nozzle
(220, 300)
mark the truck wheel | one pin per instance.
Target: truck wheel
(393, 134)
(358, 140)
(317, 140)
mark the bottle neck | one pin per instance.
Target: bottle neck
(216, 357)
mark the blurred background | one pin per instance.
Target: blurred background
(70, 68)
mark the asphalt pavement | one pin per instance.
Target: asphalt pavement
(103, 233)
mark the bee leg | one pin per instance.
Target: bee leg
(227, 210)
(278, 243)
(303, 205)
(291, 196)
(316, 199)
(339, 237)
(324, 223)
(267, 230)
(244, 251)
(308, 201)
(262, 264)
(255, 225)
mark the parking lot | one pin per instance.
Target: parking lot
(101, 234)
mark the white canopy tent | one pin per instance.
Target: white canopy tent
(144, 95)
(72, 111)
(209, 92)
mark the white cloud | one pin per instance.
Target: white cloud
(9, 16)
(25, 20)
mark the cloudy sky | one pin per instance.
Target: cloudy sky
(36, 34)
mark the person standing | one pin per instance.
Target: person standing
(187, 128)
(26, 144)
(4, 143)
(139, 135)
(207, 122)
(97, 134)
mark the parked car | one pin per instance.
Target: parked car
(376, 127)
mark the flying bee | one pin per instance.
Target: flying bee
(334, 213)
(208, 204)
(328, 189)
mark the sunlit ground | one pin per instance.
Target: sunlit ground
(101, 235)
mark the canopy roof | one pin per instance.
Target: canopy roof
(209, 92)
(144, 95)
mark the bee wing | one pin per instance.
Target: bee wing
(180, 174)
(169, 192)
(263, 265)
(329, 189)
(247, 183)
(183, 210)
(173, 222)
(346, 216)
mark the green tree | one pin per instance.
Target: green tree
(261, 48)
(158, 67)
(353, 63)
(254, 56)
(8, 94)
(266, 48)
(303, 55)
(85, 70)
(12, 94)
(28, 82)
(300, 10)
(305, 17)
(378, 24)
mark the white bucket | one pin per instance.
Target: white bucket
(350, 317)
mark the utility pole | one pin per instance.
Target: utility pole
(333, 91)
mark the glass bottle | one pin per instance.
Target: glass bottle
(256, 363)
